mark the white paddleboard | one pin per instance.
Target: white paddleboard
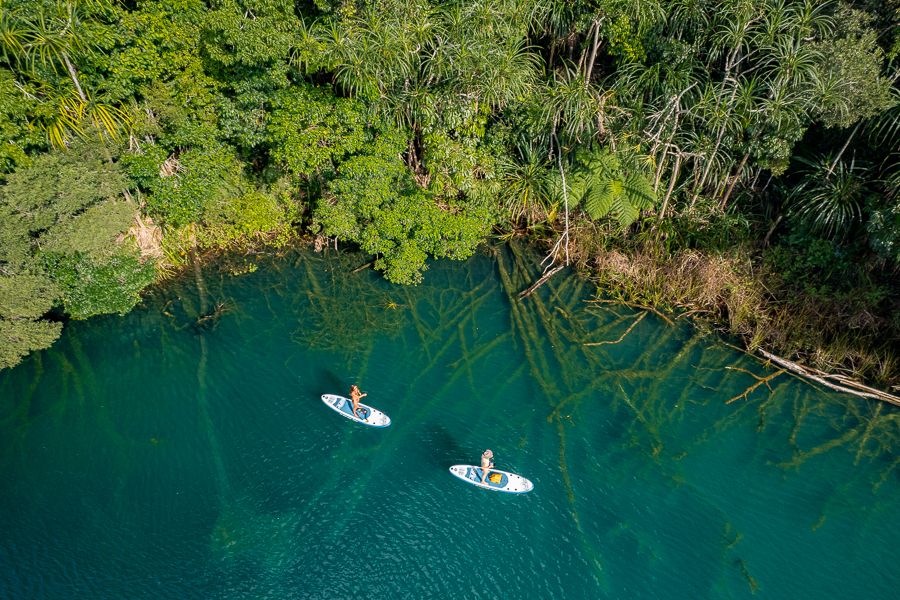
(365, 413)
(497, 480)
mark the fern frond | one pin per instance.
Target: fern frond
(625, 212)
(602, 164)
(578, 186)
(599, 199)
(639, 191)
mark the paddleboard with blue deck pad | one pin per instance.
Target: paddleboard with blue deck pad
(497, 480)
(364, 414)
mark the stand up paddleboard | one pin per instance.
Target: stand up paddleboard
(364, 414)
(499, 481)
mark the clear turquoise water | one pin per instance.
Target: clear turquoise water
(151, 457)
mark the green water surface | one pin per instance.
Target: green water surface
(164, 455)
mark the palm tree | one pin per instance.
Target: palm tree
(46, 40)
(525, 191)
(830, 200)
(573, 107)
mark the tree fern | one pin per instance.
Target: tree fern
(603, 187)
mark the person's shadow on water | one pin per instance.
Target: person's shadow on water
(331, 383)
(443, 450)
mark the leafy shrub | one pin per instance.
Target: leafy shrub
(92, 232)
(26, 296)
(24, 299)
(249, 216)
(813, 265)
(24, 336)
(374, 202)
(181, 185)
(311, 130)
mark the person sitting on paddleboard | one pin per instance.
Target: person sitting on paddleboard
(487, 461)
(355, 396)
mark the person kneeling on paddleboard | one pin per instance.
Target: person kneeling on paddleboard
(355, 396)
(487, 462)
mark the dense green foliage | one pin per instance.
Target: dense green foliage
(411, 129)
(62, 220)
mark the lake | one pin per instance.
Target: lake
(183, 451)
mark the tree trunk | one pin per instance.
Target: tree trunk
(769, 233)
(730, 63)
(718, 143)
(675, 171)
(71, 69)
(843, 148)
(562, 175)
(596, 46)
(564, 238)
(846, 385)
(734, 181)
(659, 168)
(676, 114)
(695, 175)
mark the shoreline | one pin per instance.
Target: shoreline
(715, 294)
(728, 314)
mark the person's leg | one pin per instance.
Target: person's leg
(484, 472)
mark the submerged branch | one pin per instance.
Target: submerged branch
(621, 337)
(759, 381)
(544, 279)
(210, 319)
(634, 305)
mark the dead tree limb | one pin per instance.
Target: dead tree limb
(363, 267)
(821, 377)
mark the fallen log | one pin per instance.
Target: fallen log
(823, 378)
